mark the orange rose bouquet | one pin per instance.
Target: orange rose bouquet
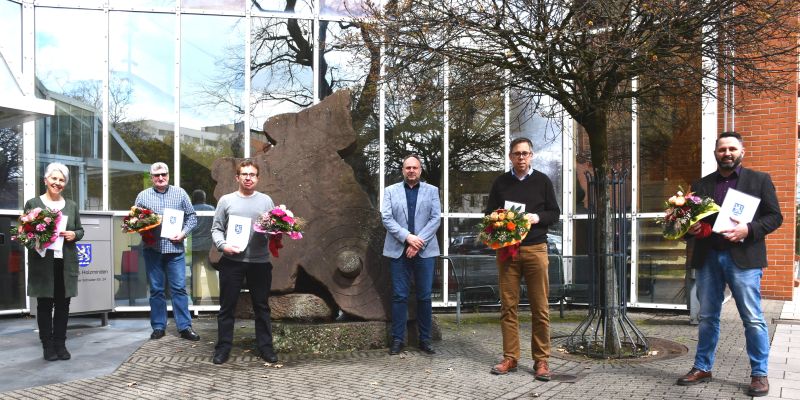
(503, 230)
(683, 211)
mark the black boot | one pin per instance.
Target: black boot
(61, 349)
(60, 317)
(44, 318)
(49, 350)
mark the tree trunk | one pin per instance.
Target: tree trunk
(597, 129)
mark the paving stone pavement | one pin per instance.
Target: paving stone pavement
(172, 368)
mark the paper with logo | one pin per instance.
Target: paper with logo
(238, 233)
(739, 205)
(511, 204)
(171, 222)
(58, 245)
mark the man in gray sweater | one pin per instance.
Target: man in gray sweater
(244, 254)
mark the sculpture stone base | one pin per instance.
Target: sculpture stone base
(294, 306)
(327, 338)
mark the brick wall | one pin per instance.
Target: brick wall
(769, 126)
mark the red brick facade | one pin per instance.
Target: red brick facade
(769, 126)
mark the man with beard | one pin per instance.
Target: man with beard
(735, 257)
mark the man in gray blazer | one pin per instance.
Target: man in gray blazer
(410, 213)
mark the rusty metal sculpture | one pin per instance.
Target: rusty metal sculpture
(341, 248)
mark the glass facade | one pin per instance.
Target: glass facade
(11, 172)
(187, 82)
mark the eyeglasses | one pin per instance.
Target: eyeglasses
(159, 175)
(248, 175)
(521, 154)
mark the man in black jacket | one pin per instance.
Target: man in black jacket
(533, 192)
(735, 256)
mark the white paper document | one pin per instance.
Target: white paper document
(510, 204)
(58, 245)
(171, 222)
(238, 233)
(739, 205)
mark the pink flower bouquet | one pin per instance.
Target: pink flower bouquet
(277, 222)
(37, 229)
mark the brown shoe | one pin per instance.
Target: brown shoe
(694, 377)
(505, 366)
(759, 386)
(541, 371)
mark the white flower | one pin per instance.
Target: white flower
(286, 210)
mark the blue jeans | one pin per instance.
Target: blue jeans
(163, 268)
(402, 270)
(745, 285)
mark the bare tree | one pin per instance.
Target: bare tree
(282, 70)
(10, 167)
(593, 58)
(91, 93)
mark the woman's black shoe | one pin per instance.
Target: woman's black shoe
(49, 351)
(61, 351)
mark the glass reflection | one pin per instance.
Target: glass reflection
(11, 32)
(578, 268)
(69, 58)
(414, 123)
(347, 62)
(141, 55)
(437, 288)
(204, 279)
(669, 148)
(131, 287)
(211, 5)
(12, 274)
(539, 120)
(212, 87)
(289, 6)
(142, 4)
(662, 266)
(281, 75)
(619, 153)
(464, 238)
(11, 171)
(348, 8)
(97, 4)
(477, 132)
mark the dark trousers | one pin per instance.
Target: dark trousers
(259, 281)
(54, 325)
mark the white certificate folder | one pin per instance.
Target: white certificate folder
(171, 222)
(739, 205)
(238, 232)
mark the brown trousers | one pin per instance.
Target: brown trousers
(531, 263)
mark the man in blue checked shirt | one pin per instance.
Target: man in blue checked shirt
(165, 258)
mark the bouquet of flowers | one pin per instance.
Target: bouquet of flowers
(37, 229)
(503, 230)
(277, 222)
(684, 211)
(141, 220)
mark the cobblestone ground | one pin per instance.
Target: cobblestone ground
(172, 368)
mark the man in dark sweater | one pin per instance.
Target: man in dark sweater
(533, 192)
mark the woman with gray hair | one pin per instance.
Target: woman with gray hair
(53, 276)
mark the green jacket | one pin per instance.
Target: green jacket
(40, 269)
